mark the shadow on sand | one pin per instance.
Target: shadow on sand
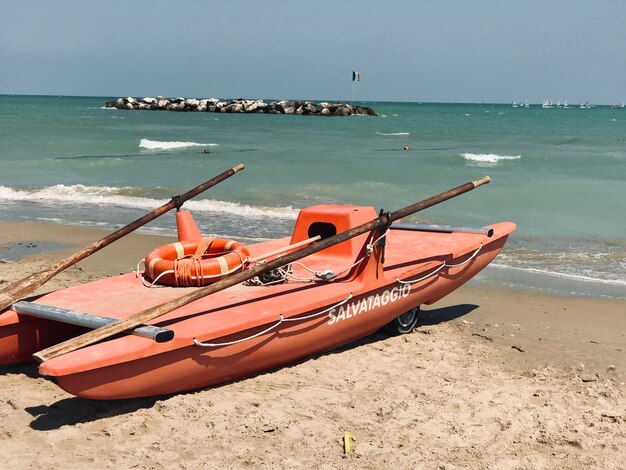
(444, 314)
(74, 410)
(71, 411)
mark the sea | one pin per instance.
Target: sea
(559, 174)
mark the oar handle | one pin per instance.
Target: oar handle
(481, 181)
(212, 182)
(27, 285)
(154, 312)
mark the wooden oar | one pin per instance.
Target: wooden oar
(27, 285)
(151, 313)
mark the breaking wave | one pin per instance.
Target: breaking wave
(158, 145)
(488, 158)
(120, 196)
(394, 133)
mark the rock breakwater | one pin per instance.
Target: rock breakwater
(240, 105)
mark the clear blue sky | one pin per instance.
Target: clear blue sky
(436, 50)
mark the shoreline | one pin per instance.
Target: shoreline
(490, 378)
(495, 276)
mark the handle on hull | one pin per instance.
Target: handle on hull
(440, 228)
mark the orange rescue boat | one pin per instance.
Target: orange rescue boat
(324, 300)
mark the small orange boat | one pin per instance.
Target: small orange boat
(324, 300)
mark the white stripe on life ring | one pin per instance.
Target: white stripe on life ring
(223, 265)
(180, 250)
(153, 261)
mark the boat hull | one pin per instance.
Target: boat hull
(193, 367)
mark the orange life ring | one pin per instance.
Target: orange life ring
(195, 262)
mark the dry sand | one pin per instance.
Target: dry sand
(489, 379)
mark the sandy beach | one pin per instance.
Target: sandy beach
(490, 378)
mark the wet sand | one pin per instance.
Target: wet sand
(489, 379)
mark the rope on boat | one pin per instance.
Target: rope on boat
(326, 275)
(439, 268)
(270, 328)
(203, 276)
(187, 266)
(275, 276)
(143, 260)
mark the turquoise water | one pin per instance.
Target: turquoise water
(560, 174)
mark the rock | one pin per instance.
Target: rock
(234, 108)
(148, 100)
(283, 105)
(120, 103)
(262, 106)
(178, 106)
(364, 110)
(250, 107)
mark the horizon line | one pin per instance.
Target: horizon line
(508, 103)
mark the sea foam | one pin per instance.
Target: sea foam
(171, 145)
(488, 158)
(565, 275)
(394, 133)
(119, 196)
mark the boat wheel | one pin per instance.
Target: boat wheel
(404, 323)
